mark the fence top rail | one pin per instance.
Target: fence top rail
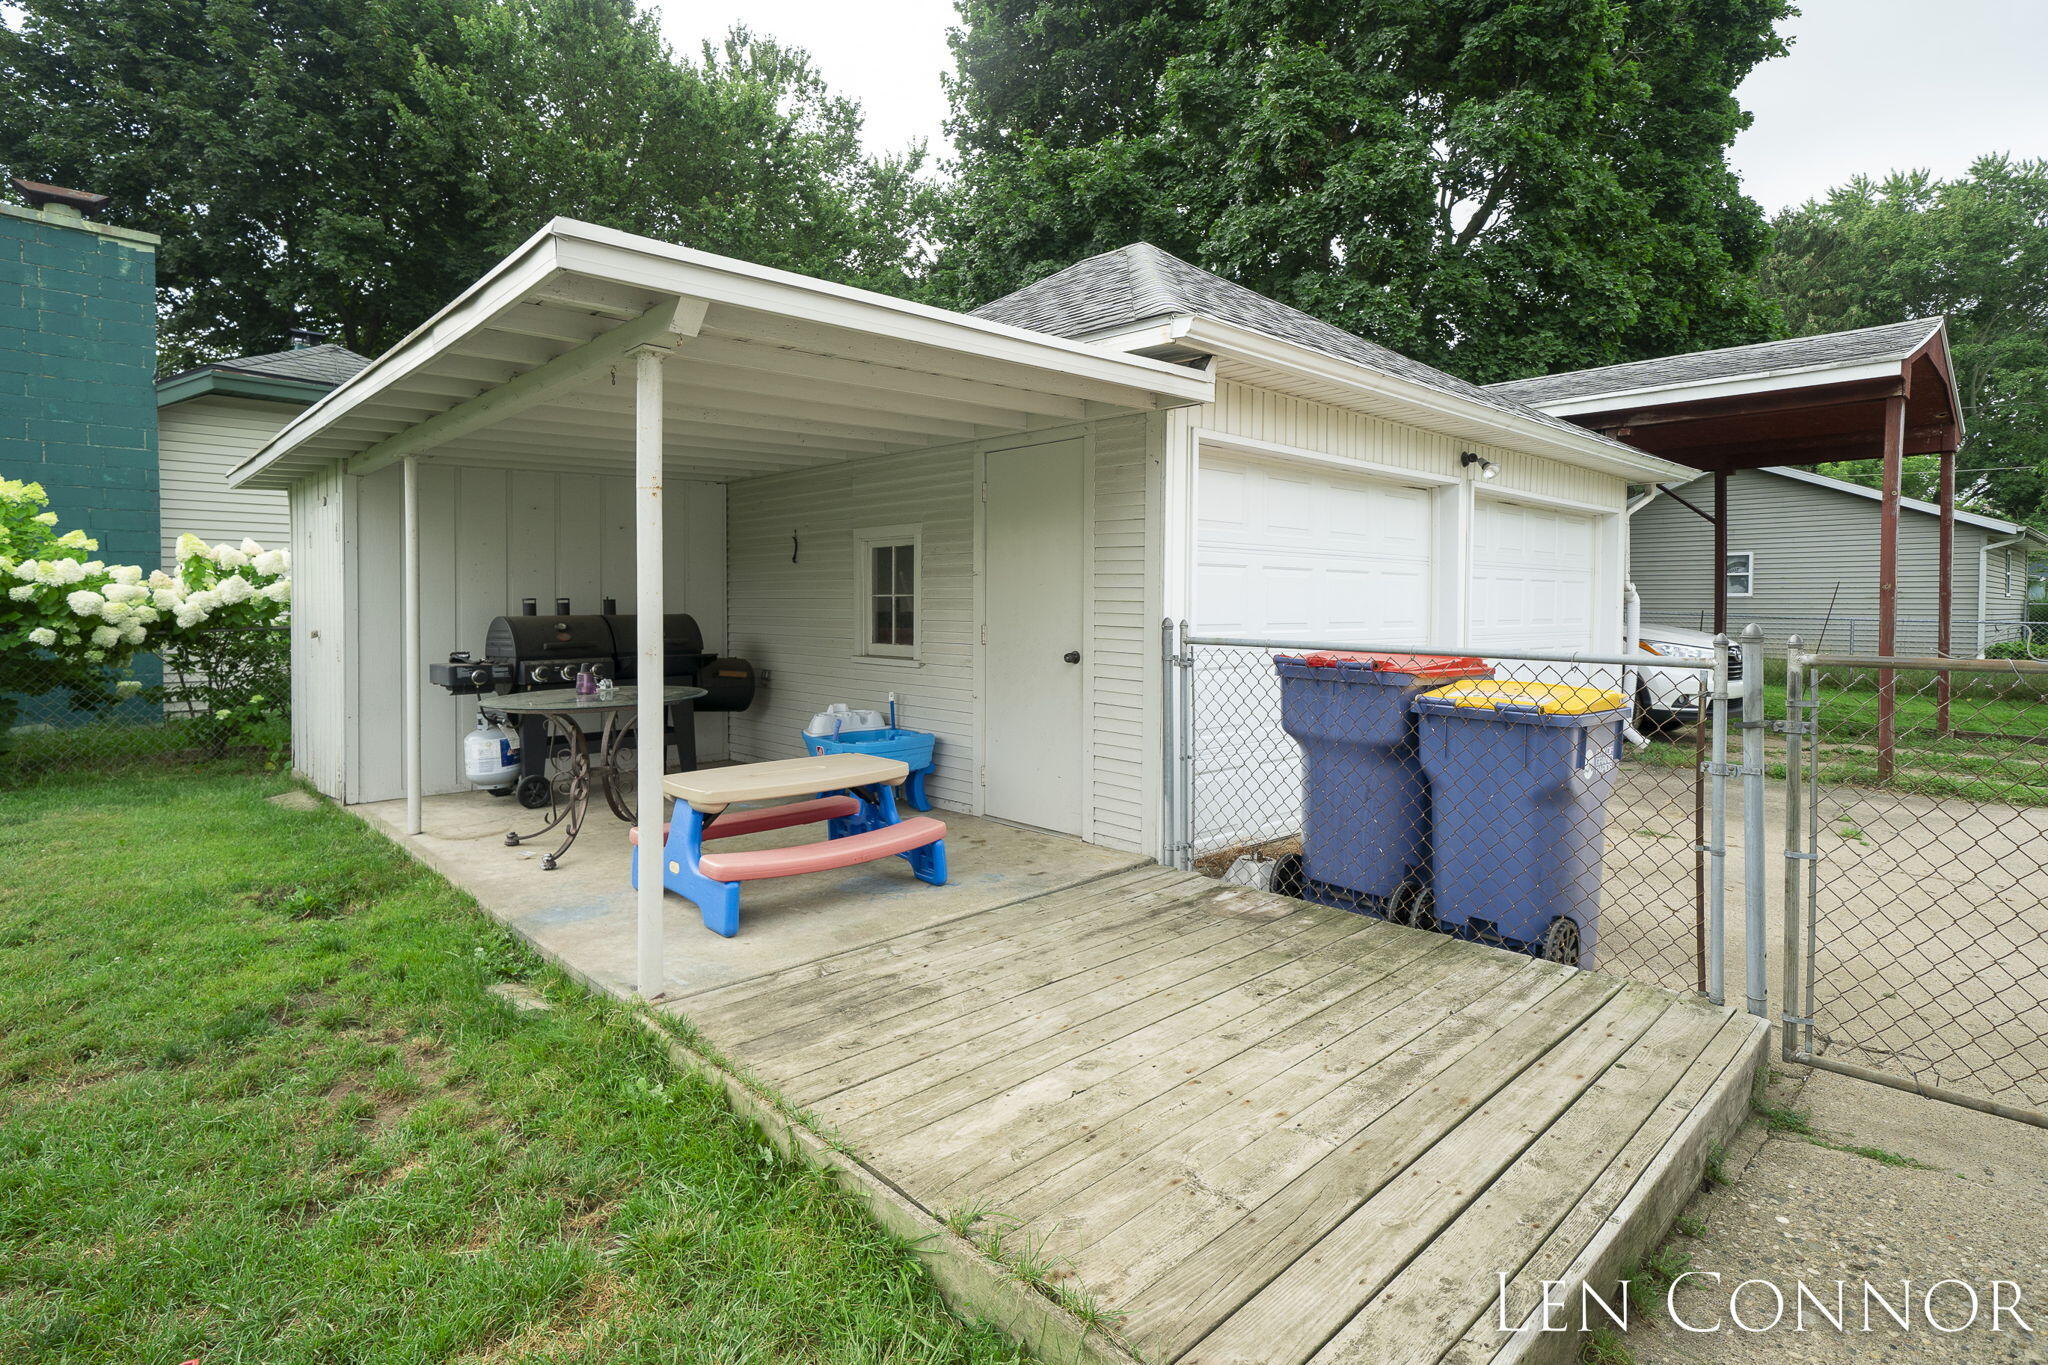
(1644, 660)
(1925, 664)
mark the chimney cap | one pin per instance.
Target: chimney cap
(40, 195)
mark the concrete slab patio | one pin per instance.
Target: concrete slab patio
(582, 914)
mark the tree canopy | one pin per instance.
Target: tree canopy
(350, 165)
(1974, 248)
(1502, 187)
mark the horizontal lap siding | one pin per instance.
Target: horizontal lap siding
(1264, 415)
(791, 602)
(198, 443)
(1123, 697)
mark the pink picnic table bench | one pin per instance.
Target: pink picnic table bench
(853, 795)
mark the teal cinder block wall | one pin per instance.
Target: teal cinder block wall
(78, 375)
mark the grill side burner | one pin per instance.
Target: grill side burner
(532, 651)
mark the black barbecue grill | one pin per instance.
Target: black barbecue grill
(533, 651)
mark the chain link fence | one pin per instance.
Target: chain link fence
(224, 695)
(2005, 637)
(1516, 800)
(1917, 943)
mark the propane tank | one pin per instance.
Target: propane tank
(490, 756)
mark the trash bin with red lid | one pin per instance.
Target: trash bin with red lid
(1365, 806)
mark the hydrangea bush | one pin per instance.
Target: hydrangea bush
(73, 623)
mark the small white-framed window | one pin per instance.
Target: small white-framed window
(891, 562)
(1741, 573)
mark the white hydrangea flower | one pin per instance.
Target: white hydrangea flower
(23, 593)
(159, 579)
(127, 687)
(46, 518)
(67, 571)
(126, 573)
(85, 603)
(106, 636)
(277, 591)
(126, 590)
(167, 599)
(271, 563)
(250, 547)
(42, 635)
(92, 566)
(114, 612)
(189, 545)
(235, 590)
(228, 557)
(75, 539)
(132, 636)
(27, 570)
(146, 615)
(93, 656)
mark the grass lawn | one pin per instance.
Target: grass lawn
(256, 1105)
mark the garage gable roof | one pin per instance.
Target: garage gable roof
(1140, 283)
(1892, 342)
(300, 374)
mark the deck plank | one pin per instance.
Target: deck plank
(1256, 1128)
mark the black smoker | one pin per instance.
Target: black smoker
(531, 652)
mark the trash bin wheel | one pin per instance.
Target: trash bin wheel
(1412, 904)
(1561, 942)
(1287, 875)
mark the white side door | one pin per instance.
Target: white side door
(1035, 530)
(1292, 551)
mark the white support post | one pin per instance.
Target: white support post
(648, 607)
(411, 652)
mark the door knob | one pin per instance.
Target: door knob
(1073, 656)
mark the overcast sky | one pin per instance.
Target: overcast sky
(1871, 85)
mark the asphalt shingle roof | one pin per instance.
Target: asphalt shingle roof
(1140, 283)
(323, 364)
(1892, 341)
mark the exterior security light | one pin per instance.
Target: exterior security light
(1487, 468)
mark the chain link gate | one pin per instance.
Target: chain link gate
(1552, 835)
(1915, 905)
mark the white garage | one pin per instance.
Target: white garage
(1535, 577)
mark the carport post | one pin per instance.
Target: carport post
(1946, 606)
(411, 646)
(649, 714)
(1888, 582)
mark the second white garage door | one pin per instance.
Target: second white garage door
(1532, 577)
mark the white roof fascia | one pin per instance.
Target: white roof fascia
(1727, 386)
(568, 246)
(1528, 436)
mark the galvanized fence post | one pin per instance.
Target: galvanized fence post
(1799, 729)
(1717, 829)
(1184, 827)
(1754, 730)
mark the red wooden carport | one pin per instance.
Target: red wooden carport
(1876, 393)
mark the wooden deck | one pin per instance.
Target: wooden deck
(1252, 1129)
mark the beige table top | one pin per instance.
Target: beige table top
(711, 790)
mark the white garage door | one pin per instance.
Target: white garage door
(1532, 577)
(1303, 552)
(1289, 551)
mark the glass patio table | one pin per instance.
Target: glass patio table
(560, 708)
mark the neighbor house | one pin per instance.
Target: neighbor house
(212, 417)
(1802, 558)
(1128, 441)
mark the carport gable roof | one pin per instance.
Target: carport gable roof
(1127, 295)
(1814, 359)
(776, 371)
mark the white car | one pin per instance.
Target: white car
(1670, 696)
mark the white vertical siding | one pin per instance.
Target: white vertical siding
(197, 443)
(1122, 704)
(319, 514)
(487, 539)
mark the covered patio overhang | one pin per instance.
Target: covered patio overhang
(1880, 393)
(599, 351)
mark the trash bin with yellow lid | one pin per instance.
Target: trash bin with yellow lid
(1519, 776)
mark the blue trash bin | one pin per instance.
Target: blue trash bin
(1365, 809)
(1519, 776)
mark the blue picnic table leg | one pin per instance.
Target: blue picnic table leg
(718, 903)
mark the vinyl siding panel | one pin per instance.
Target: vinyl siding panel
(487, 539)
(320, 691)
(1262, 414)
(1123, 686)
(1815, 554)
(198, 442)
